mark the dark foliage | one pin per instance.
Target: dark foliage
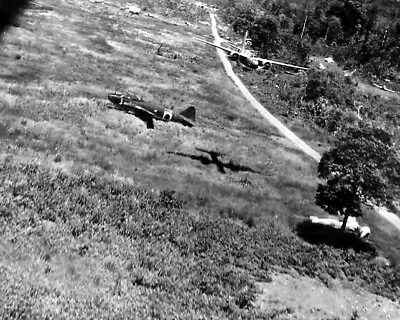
(9, 11)
(362, 166)
(320, 99)
(358, 33)
(192, 256)
(316, 234)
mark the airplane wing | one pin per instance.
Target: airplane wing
(137, 107)
(265, 61)
(142, 113)
(231, 46)
(215, 45)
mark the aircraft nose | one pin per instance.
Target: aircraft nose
(114, 98)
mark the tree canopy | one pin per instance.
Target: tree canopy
(363, 165)
(358, 33)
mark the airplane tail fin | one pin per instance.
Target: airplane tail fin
(243, 47)
(189, 113)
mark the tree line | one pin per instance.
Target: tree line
(358, 33)
(363, 165)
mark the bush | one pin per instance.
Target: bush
(201, 263)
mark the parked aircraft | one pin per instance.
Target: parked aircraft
(246, 58)
(133, 104)
(351, 225)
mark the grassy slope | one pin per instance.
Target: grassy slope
(83, 247)
(56, 71)
(64, 111)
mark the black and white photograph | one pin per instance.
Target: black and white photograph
(200, 160)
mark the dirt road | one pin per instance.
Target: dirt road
(265, 113)
(387, 215)
(393, 219)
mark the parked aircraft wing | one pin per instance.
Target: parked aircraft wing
(215, 45)
(142, 109)
(233, 46)
(266, 61)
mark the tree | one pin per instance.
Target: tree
(334, 30)
(362, 166)
(265, 34)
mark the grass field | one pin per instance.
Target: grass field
(61, 110)
(102, 218)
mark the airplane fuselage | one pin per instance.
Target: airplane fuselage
(148, 112)
(249, 62)
(246, 59)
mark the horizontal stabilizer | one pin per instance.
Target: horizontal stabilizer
(189, 113)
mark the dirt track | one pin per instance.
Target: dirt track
(393, 219)
(267, 115)
(388, 216)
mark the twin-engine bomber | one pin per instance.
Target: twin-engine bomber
(132, 104)
(246, 57)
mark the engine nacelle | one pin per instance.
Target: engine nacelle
(234, 56)
(266, 65)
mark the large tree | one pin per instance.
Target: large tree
(363, 165)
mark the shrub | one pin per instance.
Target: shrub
(201, 262)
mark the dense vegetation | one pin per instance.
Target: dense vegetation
(9, 10)
(363, 166)
(324, 100)
(192, 264)
(359, 33)
(327, 104)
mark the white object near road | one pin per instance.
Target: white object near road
(364, 232)
(329, 60)
(134, 9)
(351, 225)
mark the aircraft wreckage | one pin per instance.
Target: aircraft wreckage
(132, 104)
(247, 58)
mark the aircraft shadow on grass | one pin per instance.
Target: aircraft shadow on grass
(323, 234)
(214, 159)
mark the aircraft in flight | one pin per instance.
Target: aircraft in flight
(247, 58)
(132, 104)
